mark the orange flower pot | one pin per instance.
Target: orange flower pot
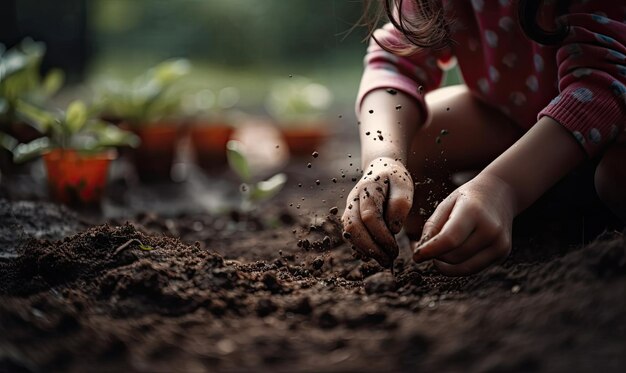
(303, 141)
(154, 157)
(209, 144)
(77, 179)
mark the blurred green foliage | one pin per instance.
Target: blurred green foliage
(75, 128)
(20, 79)
(232, 32)
(147, 98)
(298, 100)
(242, 43)
(253, 192)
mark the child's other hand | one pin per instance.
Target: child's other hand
(470, 229)
(376, 209)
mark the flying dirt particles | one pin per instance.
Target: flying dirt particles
(309, 165)
(398, 107)
(333, 210)
(317, 182)
(371, 111)
(315, 154)
(392, 91)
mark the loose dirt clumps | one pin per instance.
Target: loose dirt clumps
(130, 298)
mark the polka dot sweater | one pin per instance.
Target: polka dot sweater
(580, 83)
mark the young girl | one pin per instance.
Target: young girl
(545, 89)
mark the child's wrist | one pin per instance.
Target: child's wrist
(502, 189)
(387, 157)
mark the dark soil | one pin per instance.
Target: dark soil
(233, 294)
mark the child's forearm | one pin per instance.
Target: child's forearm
(545, 154)
(397, 116)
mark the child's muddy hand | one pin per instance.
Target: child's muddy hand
(376, 209)
(470, 229)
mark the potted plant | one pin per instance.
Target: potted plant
(147, 106)
(76, 149)
(210, 117)
(20, 79)
(298, 105)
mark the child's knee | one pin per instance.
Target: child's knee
(610, 180)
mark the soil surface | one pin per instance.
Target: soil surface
(155, 283)
(236, 292)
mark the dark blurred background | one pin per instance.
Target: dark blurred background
(241, 43)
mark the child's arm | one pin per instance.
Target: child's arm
(391, 101)
(472, 227)
(378, 205)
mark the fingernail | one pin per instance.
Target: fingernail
(417, 257)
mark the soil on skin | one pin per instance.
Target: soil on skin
(232, 294)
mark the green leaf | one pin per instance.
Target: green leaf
(237, 160)
(25, 152)
(12, 62)
(267, 189)
(108, 135)
(169, 71)
(76, 116)
(40, 119)
(8, 142)
(146, 247)
(53, 81)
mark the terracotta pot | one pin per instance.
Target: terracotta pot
(154, 157)
(209, 144)
(305, 140)
(77, 179)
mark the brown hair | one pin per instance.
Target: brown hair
(427, 27)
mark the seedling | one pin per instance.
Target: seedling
(253, 192)
(73, 129)
(298, 100)
(148, 98)
(20, 80)
(127, 244)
